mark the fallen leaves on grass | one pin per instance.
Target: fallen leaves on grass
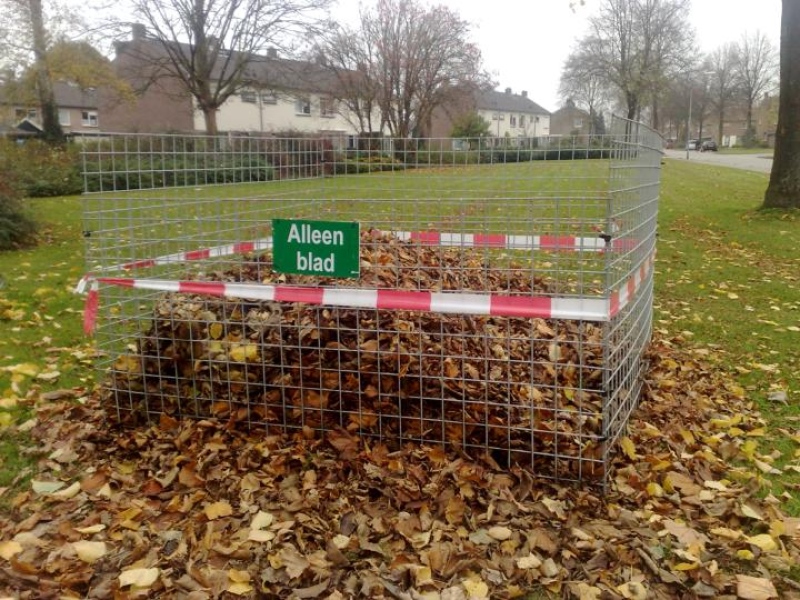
(195, 509)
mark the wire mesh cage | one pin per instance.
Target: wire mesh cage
(494, 295)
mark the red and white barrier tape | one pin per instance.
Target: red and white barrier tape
(564, 243)
(544, 307)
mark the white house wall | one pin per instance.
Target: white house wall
(500, 124)
(236, 115)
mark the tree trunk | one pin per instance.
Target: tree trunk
(784, 183)
(210, 116)
(44, 85)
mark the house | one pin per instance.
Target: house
(569, 120)
(77, 110)
(510, 116)
(281, 95)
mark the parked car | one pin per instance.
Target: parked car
(693, 145)
(708, 145)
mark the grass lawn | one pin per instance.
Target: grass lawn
(728, 277)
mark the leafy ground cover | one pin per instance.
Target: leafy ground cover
(701, 502)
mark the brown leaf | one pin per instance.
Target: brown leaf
(754, 588)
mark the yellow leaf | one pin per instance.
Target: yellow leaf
(341, 541)
(749, 511)
(745, 555)
(476, 588)
(28, 369)
(684, 566)
(654, 490)
(777, 529)
(529, 562)
(91, 528)
(90, 552)
(215, 330)
(763, 541)
(9, 549)
(262, 520)
(259, 535)
(628, 447)
(724, 532)
(240, 588)
(589, 592)
(217, 510)
(499, 533)
(67, 493)
(243, 353)
(749, 449)
(633, 590)
(139, 578)
(423, 576)
(238, 576)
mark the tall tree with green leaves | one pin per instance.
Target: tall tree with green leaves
(784, 183)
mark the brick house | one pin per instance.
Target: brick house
(282, 95)
(77, 110)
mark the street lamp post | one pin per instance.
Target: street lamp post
(689, 121)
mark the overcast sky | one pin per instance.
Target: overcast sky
(525, 42)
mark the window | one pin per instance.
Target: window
(578, 123)
(269, 97)
(327, 107)
(89, 118)
(248, 96)
(26, 113)
(512, 121)
(522, 121)
(63, 117)
(303, 106)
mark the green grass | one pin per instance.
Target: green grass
(727, 276)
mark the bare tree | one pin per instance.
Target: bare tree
(208, 45)
(755, 72)
(722, 64)
(638, 45)
(583, 84)
(784, 184)
(405, 60)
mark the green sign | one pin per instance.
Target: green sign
(328, 248)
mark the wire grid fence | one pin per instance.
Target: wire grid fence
(495, 297)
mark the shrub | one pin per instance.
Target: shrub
(42, 169)
(17, 229)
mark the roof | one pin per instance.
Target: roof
(508, 102)
(67, 95)
(268, 71)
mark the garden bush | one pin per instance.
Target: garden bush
(17, 229)
(42, 170)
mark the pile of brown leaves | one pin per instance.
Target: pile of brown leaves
(192, 509)
(471, 381)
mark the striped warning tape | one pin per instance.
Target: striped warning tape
(563, 243)
(463, 303)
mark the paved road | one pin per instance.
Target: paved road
(748, 162)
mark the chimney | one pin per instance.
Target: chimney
(524, 93)
(508, 90)
(272, 52)
(138, 31)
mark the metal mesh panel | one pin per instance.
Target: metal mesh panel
(502, 302)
